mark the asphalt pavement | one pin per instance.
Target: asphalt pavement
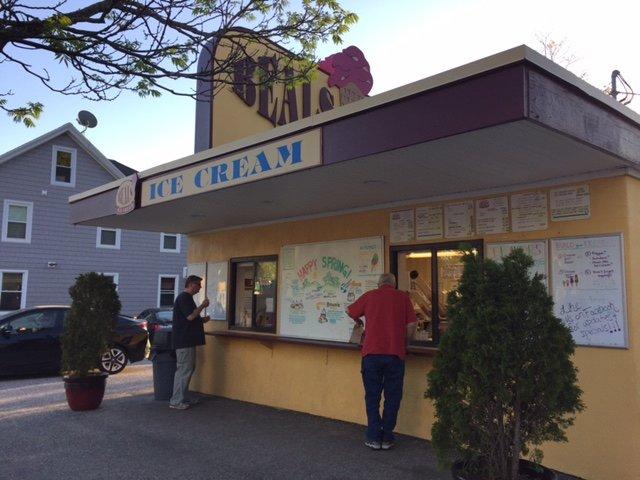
(132, 436)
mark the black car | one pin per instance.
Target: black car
(156, 318)
(30, 341)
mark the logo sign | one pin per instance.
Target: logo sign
(126, 195)
(277, 158)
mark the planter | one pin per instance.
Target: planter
(85, 393)
(528, 471)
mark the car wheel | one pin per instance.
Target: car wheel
(113, 360)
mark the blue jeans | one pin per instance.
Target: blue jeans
(382, 373)
(186, 364)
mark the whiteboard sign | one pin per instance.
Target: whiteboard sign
(589, 289)
(217, 290)
(320, 280)
(537, 249)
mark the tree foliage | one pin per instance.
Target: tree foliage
(503, 381)
(91, 322)
(144, 46)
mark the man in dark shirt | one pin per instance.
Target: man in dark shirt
(390, 321)
(188, 333)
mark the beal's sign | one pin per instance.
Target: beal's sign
(281, 104)
(277, 158)
(126, 195)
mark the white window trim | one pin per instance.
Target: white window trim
(54, 159)
(25, 281)
(5, 221)
(175, 285)
(169, 250)
(116, 278)
(99, 238)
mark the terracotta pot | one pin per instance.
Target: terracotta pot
(527, 469)
(85, 393)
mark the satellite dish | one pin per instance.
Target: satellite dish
(86, 119)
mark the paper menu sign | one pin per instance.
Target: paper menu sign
(458, 219)
(570, 203)
(401, 226)
(529, 211)
(429, 222)
(492, 215)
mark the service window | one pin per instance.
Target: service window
(253, 294)
(428, 273)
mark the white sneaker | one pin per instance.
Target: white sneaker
(179, 406)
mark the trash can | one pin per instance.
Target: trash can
(163, 357)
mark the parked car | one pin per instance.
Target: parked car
(156, 319)
(30, 341)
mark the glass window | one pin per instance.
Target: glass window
(16, 221)
(167, 290)
(254, 294)
(32, 322)
(428, 273)
(12, 290)
(108, 238)
(115, 278)
(63, 167)
(169, 242)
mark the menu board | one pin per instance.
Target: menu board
(429, 222)
(589, 289)
(401, 226)
(529, 211)
(537, 249)
(570, 203)
(217, 290)
(320, 280)
(492, 215)
(458, 219)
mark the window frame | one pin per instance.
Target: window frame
(115, 276)
(5, 220)
(231, 294)
(23, 291)
(176, 278)
(169, 250)
(99, 243)
(435, 300)
(54, 164)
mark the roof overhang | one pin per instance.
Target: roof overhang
(505, 122)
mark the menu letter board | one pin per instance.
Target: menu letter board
(589, 289)
(537, 249)
(321, 280)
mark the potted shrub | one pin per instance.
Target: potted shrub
(503, 381)
(91, 321)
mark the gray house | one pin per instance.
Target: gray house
(41, 253)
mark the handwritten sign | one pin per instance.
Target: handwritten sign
(570, 203)
(528, 211)
(589, 289)
(429, 222)
(458, 219)
(537, 249)
(401, 226)
(492, 215)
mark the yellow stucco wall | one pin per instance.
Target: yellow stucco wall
(603, 444)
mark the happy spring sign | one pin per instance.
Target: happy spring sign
(277, 158)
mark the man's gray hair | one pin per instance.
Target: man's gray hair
(387, 279)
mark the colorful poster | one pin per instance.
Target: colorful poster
(458, 219)
(589, 289)
(492, 215)
(325, 279)
(429, 222)
(529, 211)
(570, 203)
(401, 226)
(537, 249)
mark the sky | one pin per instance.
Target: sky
(403, 40)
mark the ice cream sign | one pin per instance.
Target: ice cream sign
(277, 158)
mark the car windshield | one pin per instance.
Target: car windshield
(165, 315)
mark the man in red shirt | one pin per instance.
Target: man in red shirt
(390, 321)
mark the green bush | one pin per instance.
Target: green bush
(90, 324)
(503, 381)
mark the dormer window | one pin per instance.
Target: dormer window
(63, 167)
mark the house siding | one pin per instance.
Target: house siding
(138, 262)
